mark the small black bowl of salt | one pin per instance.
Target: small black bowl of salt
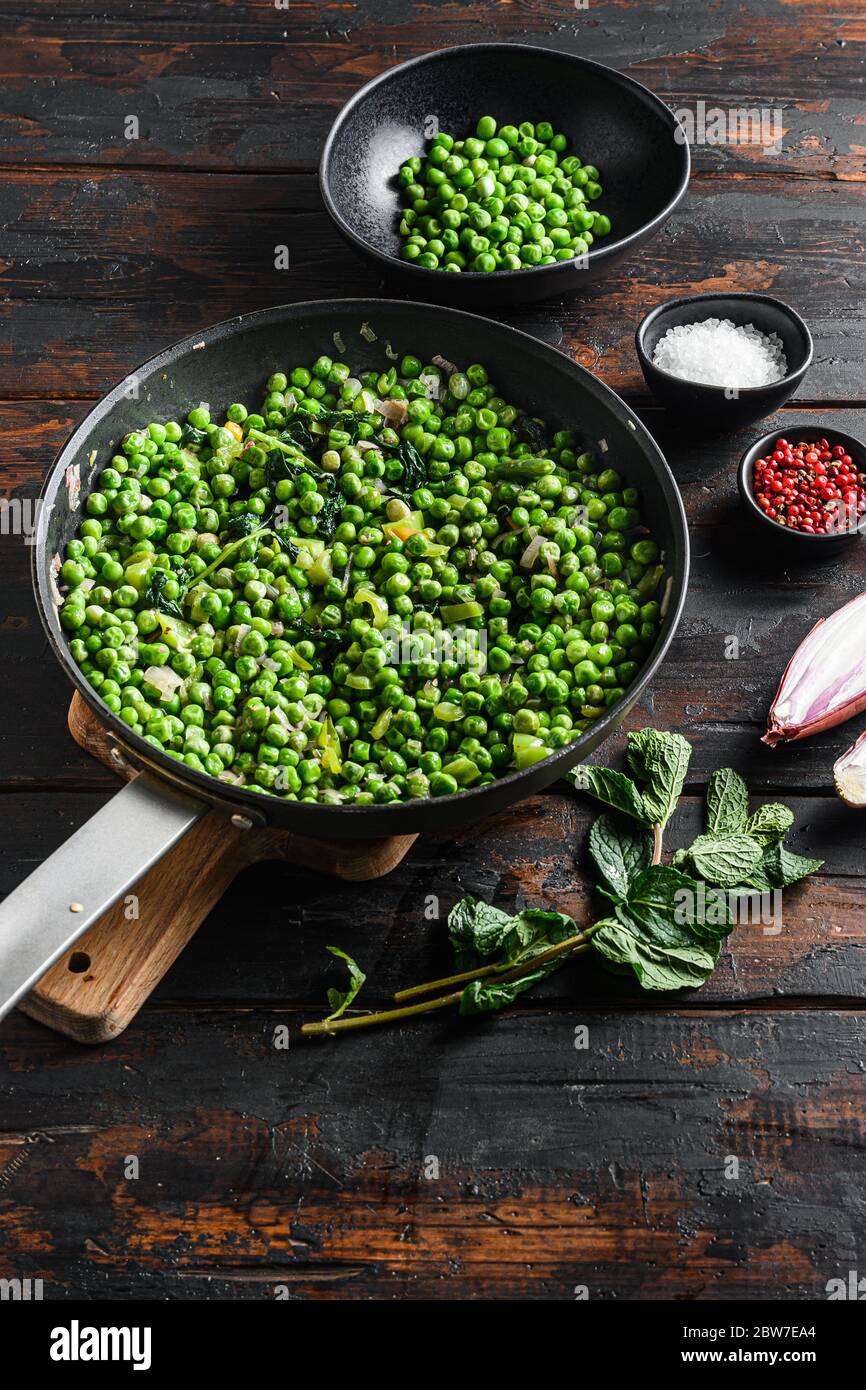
(723, 360)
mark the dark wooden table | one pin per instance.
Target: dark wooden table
(449, 1160)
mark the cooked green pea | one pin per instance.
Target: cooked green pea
(209, 559)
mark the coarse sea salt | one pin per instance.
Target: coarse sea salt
(717, 352)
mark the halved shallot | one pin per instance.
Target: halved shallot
(849, 774)
(825, 681)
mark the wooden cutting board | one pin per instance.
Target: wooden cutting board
(97, 988)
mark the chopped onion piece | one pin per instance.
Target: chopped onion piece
(395, 412)
(529, 749)
(382, 724)
(376, 602)
(337, 340)
(73, 485)
(530, 554)
(431, 385)
(448, 711)
(53, 571)
(666, 596)
(367, 332)
(456, 612)
(163, 679)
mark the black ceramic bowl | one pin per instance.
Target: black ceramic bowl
(611, 121)
(796, 542)
(712, 406)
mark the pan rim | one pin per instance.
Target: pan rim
(209, 788)
(596, 256)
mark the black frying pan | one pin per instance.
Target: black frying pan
(228, 362)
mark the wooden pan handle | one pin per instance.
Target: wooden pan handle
(94, 990)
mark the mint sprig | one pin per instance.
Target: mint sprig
(664, 923)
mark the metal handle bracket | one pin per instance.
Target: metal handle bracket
(52, 908)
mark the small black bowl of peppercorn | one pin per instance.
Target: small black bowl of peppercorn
(805, 489)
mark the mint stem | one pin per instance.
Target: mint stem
(575, 945)
(485, 971)
(340, 1025)
(658, 831)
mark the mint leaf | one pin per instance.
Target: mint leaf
(653, 907)
(788, 866)
(340, 1000)
(725, 860)
(476, 930)
(670, 908)
(527, 934)
(621, 851)
(770, 823)
(486, 996)
(656, 966)
(783, 867)
(727, 803)
(614, 789)
(533, 930)
(662, 761)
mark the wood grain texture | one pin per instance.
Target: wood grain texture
(104, 268)
(608, 1166)
(257, 85)
(681, 1155)
(264, 942)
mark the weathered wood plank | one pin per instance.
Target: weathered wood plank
(213, 88)
(680, 1155)
(532, 855)
(102, 271)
